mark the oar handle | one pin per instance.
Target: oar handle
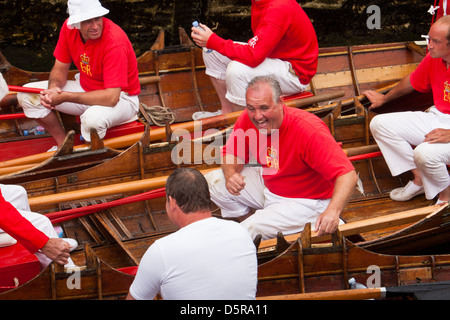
(24, 89)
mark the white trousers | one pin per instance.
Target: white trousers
(98, 117)
(3, 87)
(238, 75)
(18, 198)
(400, 136)
(274, 213)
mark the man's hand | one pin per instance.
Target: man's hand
(377, 99)
(50, 98)
(235, 184)
(438, 136)
(327, 222)
(57, 250)
(199, 36)
(344, 186)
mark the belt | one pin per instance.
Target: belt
(292, 71)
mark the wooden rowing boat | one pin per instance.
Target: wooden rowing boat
(118, 236)
(304, 269)
(422, 230)
(174, 78)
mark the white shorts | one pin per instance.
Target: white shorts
(238, 75)
(100, 118)
(18, 198)
(16, 195)
(273, 213)
(400, 137)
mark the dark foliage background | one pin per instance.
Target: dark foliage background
(29, 28)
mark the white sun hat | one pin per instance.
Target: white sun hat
(82, 10)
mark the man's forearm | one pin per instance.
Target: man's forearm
(343, 189)
(58, 75)
(106, 97)
(403, 88)
(231, 165)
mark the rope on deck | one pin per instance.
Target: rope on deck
(156, 115)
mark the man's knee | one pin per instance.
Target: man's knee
(236, 71)
(216, 182)
(375, 125)
(425, 155)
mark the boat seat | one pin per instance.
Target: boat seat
(17, 266)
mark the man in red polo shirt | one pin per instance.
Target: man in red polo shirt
(284, 45)
(105, 92)
(420, 141)
(296, 173)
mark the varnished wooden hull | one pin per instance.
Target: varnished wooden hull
(96, 281)
(174, 78)
(120, 235)
(307, 268)
(297, 273)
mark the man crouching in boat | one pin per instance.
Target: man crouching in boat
(34, 231)
(303, 175)
(419, 141)
(284, 44)
(105, 92)
(207, 259)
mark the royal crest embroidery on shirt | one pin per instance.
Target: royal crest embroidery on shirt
(446, 91)
(252, 41)
(272, 158)
(84, 64)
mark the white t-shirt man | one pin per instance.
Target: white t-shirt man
(209, 259)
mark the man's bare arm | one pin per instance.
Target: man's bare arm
(377, 99)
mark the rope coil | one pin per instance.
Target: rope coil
(156, 115)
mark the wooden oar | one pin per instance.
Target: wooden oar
(354, 154)
(433, 290)
(349, 294)
(132, 186)
(24, 89)
(142, 80)
(61, 216)
(9, 170)
(127, 140)
(12, 116)
(366, 225)
(160, 133)
(302, 102)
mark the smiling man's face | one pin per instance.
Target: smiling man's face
(263, 111)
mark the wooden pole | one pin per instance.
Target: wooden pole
(160, 133)
(366, 225)
(132, 186)
(302, 102)
(24, 89)
(127, 140)
(350, 294)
